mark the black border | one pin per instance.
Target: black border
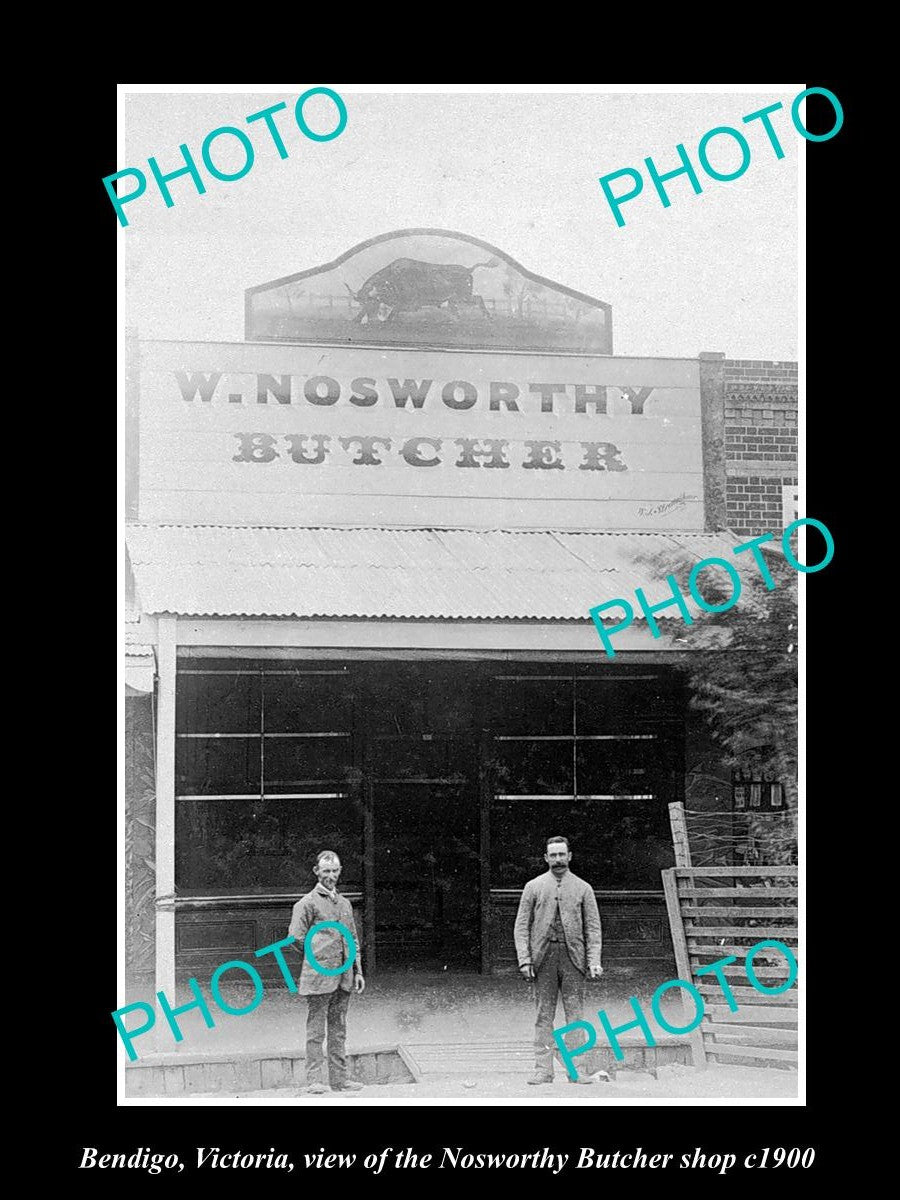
(79, 1060)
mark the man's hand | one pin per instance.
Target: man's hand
(527, 971)
(359, 984)
(596, 972)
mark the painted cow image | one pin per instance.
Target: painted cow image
(406, 285)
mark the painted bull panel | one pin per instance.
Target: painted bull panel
(428, 287)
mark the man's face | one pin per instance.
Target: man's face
(558, 857)
(329, 872)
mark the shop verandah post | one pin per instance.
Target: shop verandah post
(165, 805)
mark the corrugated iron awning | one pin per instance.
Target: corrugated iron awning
(140, 673)
(140, 658)
(399, 573)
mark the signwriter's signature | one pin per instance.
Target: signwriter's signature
(668, 506)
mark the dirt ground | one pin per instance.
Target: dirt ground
(409, 1008)
(675, 1081)
(471, 1038)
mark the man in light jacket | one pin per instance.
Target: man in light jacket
(558, 944)
(328, 995)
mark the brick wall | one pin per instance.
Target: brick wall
(760, 442)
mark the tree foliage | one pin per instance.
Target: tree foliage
(747, 689)
(741, 666)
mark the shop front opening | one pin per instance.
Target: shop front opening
(435, 782)
(423, 756)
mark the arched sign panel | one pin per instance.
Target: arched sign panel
(424, 287)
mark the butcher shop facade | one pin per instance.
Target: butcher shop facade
(363, 545)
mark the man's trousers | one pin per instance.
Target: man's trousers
(327, 1009)
(556, 974)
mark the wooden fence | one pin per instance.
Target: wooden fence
(718, 911)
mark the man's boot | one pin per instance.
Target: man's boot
(540, 1076)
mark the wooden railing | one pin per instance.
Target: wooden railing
(717, 912)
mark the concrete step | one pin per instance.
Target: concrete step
(185, 1074)
(234, 1072)
(450, 1058)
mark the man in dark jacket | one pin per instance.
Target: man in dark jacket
(558, 944)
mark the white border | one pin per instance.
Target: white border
(447, 1102)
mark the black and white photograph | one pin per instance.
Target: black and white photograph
(465, 556)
